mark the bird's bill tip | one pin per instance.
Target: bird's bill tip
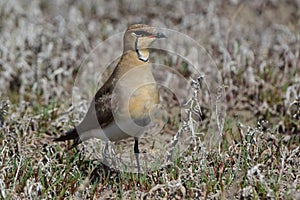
(161, 35)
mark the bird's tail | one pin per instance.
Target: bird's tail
(70, 135)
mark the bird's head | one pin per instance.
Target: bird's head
(139, 37)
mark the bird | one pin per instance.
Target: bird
(122, 107)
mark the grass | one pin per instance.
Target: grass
(263, 165)
(256, 49)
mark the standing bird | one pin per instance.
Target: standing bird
(122, 107)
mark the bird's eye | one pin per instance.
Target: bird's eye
(142, 33)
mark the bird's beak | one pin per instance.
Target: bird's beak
(160, 35)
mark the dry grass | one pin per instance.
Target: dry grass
(256, 47)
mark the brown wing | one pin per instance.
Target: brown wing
(100, 111)
(98, 115)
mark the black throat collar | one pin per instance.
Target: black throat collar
(139, 53)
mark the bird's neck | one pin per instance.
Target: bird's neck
(130, 60)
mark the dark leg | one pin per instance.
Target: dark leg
(136, 153)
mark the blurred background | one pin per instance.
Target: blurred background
(255, 45)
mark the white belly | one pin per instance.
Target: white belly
(114, 132)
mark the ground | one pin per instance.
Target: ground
(247, 56)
